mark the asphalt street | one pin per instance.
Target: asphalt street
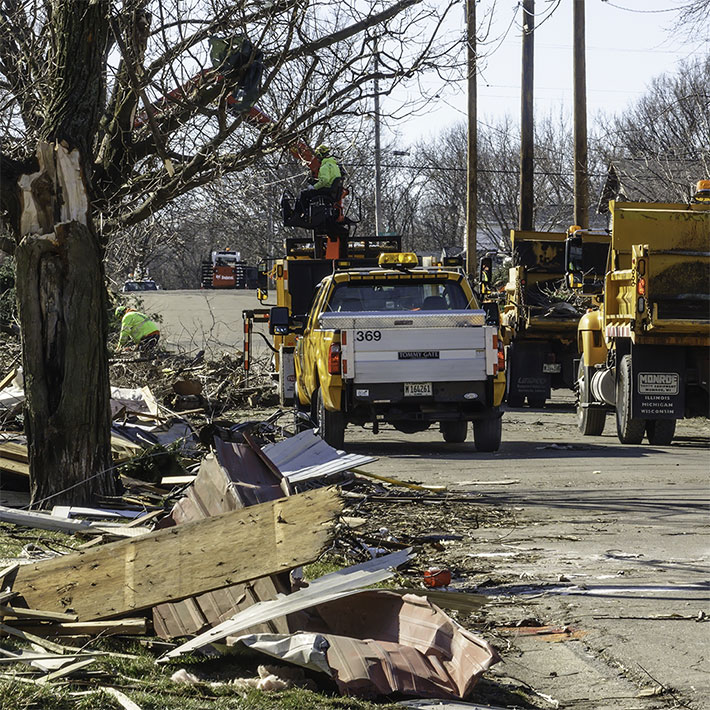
(609, 541)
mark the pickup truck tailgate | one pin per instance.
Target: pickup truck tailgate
(426, 346)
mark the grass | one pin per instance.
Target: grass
(149, 686)
(14, 540)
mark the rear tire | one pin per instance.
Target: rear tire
(454, 432)
(590, 421)
(331, 425)
(660, 431)
(537, 402)
(630, 430)
(487, 434)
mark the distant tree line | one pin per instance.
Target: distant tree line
(661, 143)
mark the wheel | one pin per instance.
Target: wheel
(660, 431)
(537, 401)
(331, 425)
(454, 432)
(628, 429)
(487, 434)
(590, 421)
(515, 400)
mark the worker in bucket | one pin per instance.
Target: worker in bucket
(322, 184)
(137, 329)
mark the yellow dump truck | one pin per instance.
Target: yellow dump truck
(645, 350)
(538, 326)
(401, 344)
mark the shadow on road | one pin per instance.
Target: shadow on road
(657, 506)
(380, 446)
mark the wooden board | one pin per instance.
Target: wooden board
(184, 560)
(123, 627)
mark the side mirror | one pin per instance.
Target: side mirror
(492, 312)
(279, 320)
(574, 253)
(485, 274)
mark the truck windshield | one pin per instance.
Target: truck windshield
(402, 296)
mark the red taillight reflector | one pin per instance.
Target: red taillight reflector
(334, 359)
(641, 287)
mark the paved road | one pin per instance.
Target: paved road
(202, 319)
(607, 537)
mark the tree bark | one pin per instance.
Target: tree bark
(60, 274)
(62, 308)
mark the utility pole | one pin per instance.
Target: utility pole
(527, 136)
(472, 145)
(581, 175)
(378, 165)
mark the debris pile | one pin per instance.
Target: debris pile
(216, 555)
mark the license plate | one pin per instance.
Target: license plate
(552, 368)
(417, 389)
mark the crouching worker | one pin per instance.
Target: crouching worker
(137, 329)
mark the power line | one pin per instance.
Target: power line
(647, 12)
(463, 170)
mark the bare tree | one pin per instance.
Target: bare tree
(115, 111)
(662, 143)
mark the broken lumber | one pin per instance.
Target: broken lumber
(43, 521)
(36, 614)
(184, 560)
(122, 627)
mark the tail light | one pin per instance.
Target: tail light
(334, 359)
(641, 287)
(499, 365)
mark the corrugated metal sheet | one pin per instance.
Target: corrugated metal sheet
(343, 582)
(235, 477)
(306, 456)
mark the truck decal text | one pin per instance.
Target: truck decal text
(659, 383)
(418, 355)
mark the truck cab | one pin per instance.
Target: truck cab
(400, 344)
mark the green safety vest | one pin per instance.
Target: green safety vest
(329, 171)
(135, 326)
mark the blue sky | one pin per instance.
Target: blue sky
(628, 43)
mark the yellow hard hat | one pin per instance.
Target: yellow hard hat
(703, 187)
(322, 150)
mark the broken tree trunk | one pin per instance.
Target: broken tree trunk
(63, 311)
(59, 269)
(184, 560)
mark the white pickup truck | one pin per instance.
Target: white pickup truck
(404, 345)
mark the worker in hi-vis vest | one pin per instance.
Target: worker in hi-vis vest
(137, 329)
